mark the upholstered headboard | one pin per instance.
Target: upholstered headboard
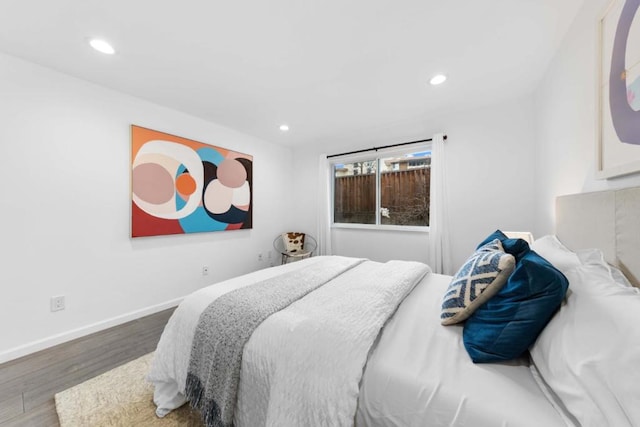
(608, 220)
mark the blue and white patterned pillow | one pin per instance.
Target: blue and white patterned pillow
(480, 278)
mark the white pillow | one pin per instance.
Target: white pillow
(562, 258)
(595, 257)
(551, 249)
(589, 352)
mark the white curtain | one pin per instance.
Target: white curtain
(324, 206)
(439, 244)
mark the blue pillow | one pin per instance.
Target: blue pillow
(516, 247)
(509, 323)
(481, 277)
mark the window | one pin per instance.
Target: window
(383, 191)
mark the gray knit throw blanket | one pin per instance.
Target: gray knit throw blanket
(226, 325)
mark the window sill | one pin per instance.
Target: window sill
(411, 228)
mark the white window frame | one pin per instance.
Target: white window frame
(374, 155)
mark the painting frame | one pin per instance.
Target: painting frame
(614, 157)
(184, 186)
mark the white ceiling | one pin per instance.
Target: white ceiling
(334, 70)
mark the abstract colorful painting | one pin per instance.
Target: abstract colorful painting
(182, 186)
(619, 89)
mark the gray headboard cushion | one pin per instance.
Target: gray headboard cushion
(628, 232)
(608, 220)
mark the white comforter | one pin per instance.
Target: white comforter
(419, 374)
(302, 366)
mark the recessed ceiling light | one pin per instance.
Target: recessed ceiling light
(102, 46)
(438, 79)
(284, 128)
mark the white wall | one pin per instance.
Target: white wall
(565, 109)
(490, 171)
(64, 168)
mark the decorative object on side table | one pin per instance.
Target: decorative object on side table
(527, 236)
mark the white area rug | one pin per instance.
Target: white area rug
(120, 397)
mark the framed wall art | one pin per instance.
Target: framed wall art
(181, 186)
(618, 139)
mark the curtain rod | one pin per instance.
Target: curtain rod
(381, 148)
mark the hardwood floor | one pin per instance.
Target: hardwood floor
(28, 384)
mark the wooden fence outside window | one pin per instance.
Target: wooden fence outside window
(404, 193)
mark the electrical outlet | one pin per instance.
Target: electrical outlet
(57, 303)
(205, 270)
(260, 257)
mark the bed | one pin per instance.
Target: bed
(359, 349)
